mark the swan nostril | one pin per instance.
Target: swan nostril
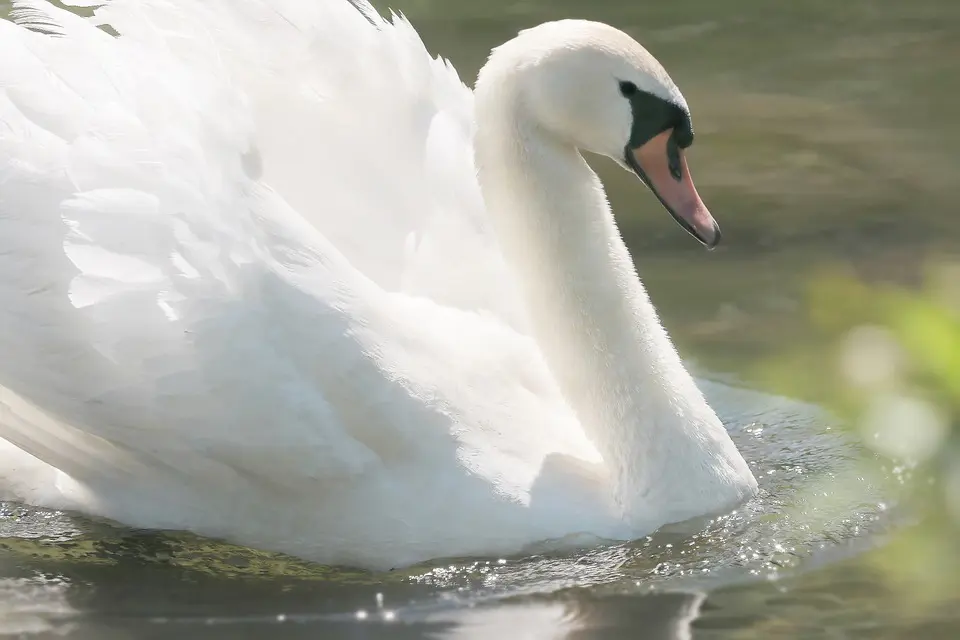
(673, 159)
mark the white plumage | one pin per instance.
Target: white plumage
(249, 286)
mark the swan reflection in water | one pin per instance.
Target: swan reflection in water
(662, 616)
(38, 606)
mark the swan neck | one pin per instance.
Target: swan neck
(589, 312)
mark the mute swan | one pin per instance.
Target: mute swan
(261, 279)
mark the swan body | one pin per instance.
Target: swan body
(270, 273)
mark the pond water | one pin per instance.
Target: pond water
(826, 134)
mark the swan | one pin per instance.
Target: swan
(270, 273)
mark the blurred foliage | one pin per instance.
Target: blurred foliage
(886, 359)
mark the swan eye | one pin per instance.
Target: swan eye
(628, 89)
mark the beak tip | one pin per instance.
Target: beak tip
(715, 240)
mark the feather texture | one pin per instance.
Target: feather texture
(205, 299)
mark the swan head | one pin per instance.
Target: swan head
(594, 87)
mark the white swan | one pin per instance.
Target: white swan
(254, 284)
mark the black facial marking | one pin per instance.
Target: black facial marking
(653, 115)
(628, 89)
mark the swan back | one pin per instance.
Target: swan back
(379, 140)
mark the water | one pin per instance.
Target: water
(825, 135)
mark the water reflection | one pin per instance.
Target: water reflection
(664, 616)
(34, 605)
(42, 605)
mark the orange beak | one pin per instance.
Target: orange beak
(661, 165)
